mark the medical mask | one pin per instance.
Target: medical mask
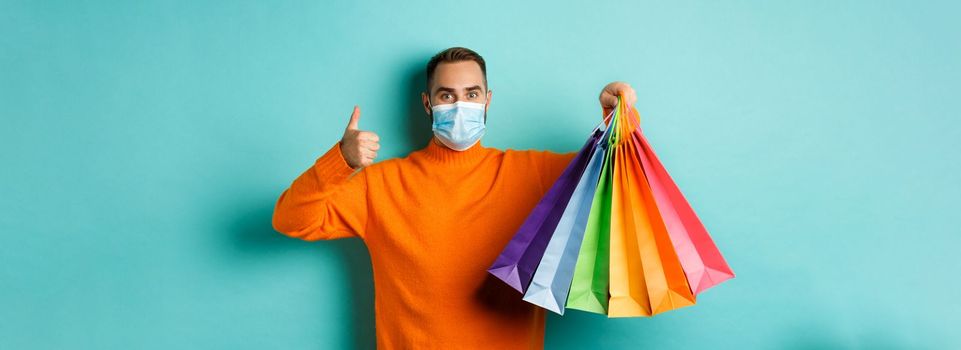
(459, 125)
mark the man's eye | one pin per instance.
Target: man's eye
(445, 96)
(472, 95)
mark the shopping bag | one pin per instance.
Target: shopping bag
(551, 283)
(517, 262)
(614, 235)
(667, 285)
(700, 258)
(589, 283)
(632, 262)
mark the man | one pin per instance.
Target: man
(435, 220)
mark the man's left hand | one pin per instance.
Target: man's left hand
(609, 95)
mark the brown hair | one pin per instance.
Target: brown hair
(455, 54)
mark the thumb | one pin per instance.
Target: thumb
(354, 119)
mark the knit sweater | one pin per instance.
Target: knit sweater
(433, 222)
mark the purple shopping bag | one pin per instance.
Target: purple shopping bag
(519, 259)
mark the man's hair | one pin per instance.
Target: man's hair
(455, 54)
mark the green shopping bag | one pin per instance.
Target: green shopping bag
(589, 287)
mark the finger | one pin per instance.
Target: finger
(354, 119)
(608, 100)
(630, 96)
(371, 145)
(368, 154)
(613, 87)
(620, 89)
(624, 91)
(368, 136)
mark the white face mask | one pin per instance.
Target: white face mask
(459, 125)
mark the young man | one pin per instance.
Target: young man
(434, 221)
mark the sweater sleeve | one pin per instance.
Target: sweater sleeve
(325, 202)
(550, 165)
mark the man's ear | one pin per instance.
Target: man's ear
(425, 100)
(490, 94)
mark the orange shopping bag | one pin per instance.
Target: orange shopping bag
(646, 275)
(700, 258)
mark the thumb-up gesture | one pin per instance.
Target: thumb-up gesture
(358, 147)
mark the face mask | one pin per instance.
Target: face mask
(459, 125)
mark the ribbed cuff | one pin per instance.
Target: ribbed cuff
(332, 165)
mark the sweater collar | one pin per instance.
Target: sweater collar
(437, 152)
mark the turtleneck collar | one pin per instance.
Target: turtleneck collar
(437, 152)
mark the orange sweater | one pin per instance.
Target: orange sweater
(433, 222)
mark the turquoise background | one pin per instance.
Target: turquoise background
(144, 144)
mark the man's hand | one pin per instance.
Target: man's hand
(358, 147)
(609, 95)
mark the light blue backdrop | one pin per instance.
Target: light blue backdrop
(143, 144)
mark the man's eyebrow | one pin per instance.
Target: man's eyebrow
(452, 90)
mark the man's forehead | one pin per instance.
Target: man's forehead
(458, 75)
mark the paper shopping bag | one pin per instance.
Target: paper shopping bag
(646, 276)
(613, 235)
(668, 287)
(519, 259)
(628, 284)
(702, 262)
(589, 284)
(551, 283)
